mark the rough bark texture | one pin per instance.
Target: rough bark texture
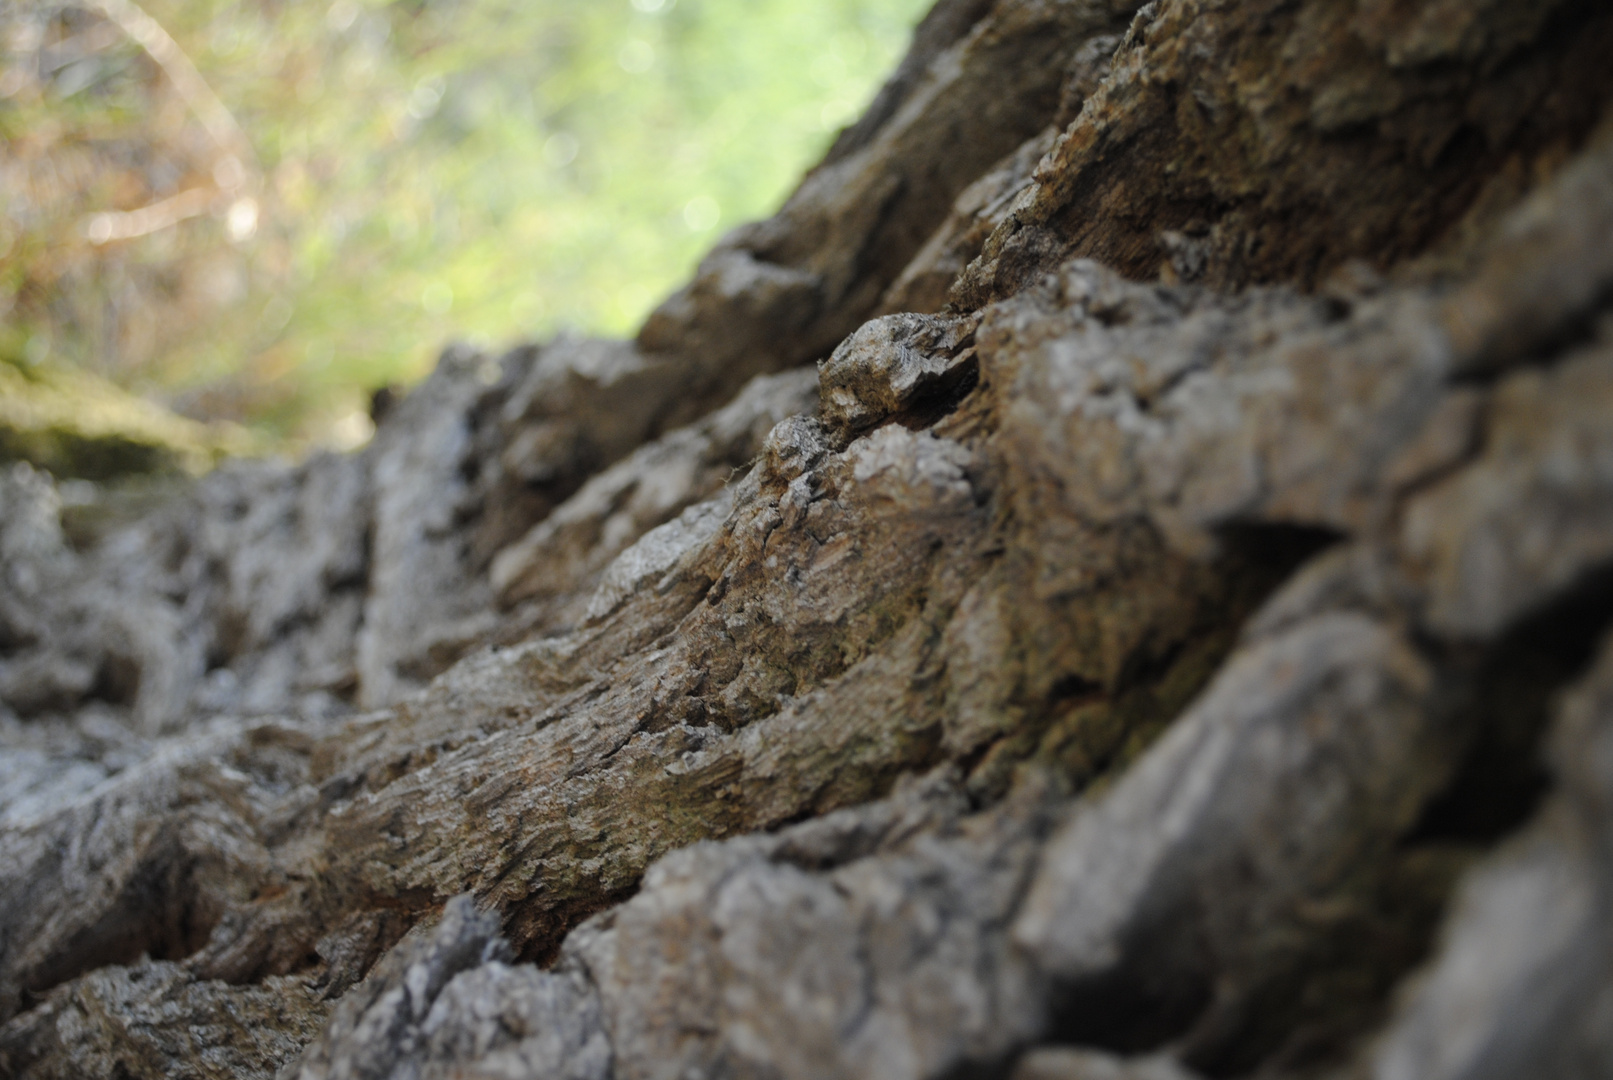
(1165, 636)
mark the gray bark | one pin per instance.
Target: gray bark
(1183, 653)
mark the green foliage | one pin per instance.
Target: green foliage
(420, 170)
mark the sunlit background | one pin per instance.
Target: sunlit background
(256, 211)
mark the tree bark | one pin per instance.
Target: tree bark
(1164, 636)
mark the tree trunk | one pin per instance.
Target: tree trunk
(1164, 635)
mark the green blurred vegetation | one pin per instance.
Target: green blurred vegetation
(380, 177)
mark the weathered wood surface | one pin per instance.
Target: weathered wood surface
(1165, 635)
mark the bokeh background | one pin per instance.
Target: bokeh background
(254, 212)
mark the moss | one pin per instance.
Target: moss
(1087, 734)
(77, 426)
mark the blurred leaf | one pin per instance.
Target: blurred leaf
(430, 169)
